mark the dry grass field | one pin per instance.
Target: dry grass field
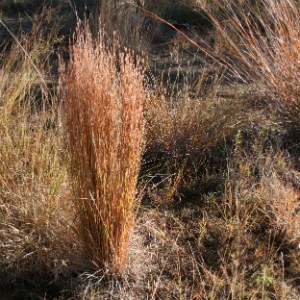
(150, 149)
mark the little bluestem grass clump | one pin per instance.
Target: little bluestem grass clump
(104, 95)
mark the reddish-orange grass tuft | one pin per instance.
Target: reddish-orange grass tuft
(103, 95)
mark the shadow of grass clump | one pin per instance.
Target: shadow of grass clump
(181, 12)
(12, 7)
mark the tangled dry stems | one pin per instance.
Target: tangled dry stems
(104, 98)
(33, 185)
(238, 237)
(261, 44)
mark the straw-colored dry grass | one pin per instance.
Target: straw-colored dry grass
(253, 231)
(220, 217)
(34, 212)
(261, 43)
(103, 96)
(126, 21)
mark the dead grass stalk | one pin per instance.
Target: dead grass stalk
(104, 111)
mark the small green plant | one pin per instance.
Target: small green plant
(264, 280)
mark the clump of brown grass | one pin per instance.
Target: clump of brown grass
(127, 20)
(261, 43)
(104, 98)
(183, 128)
(279, 199)
(32, 172)
(257, 251)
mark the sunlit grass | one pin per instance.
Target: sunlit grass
(104, 111)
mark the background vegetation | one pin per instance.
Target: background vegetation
(157, 160)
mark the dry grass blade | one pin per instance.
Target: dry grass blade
(32, 176)
(104, 106)
(26, 54)
(262, 44)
